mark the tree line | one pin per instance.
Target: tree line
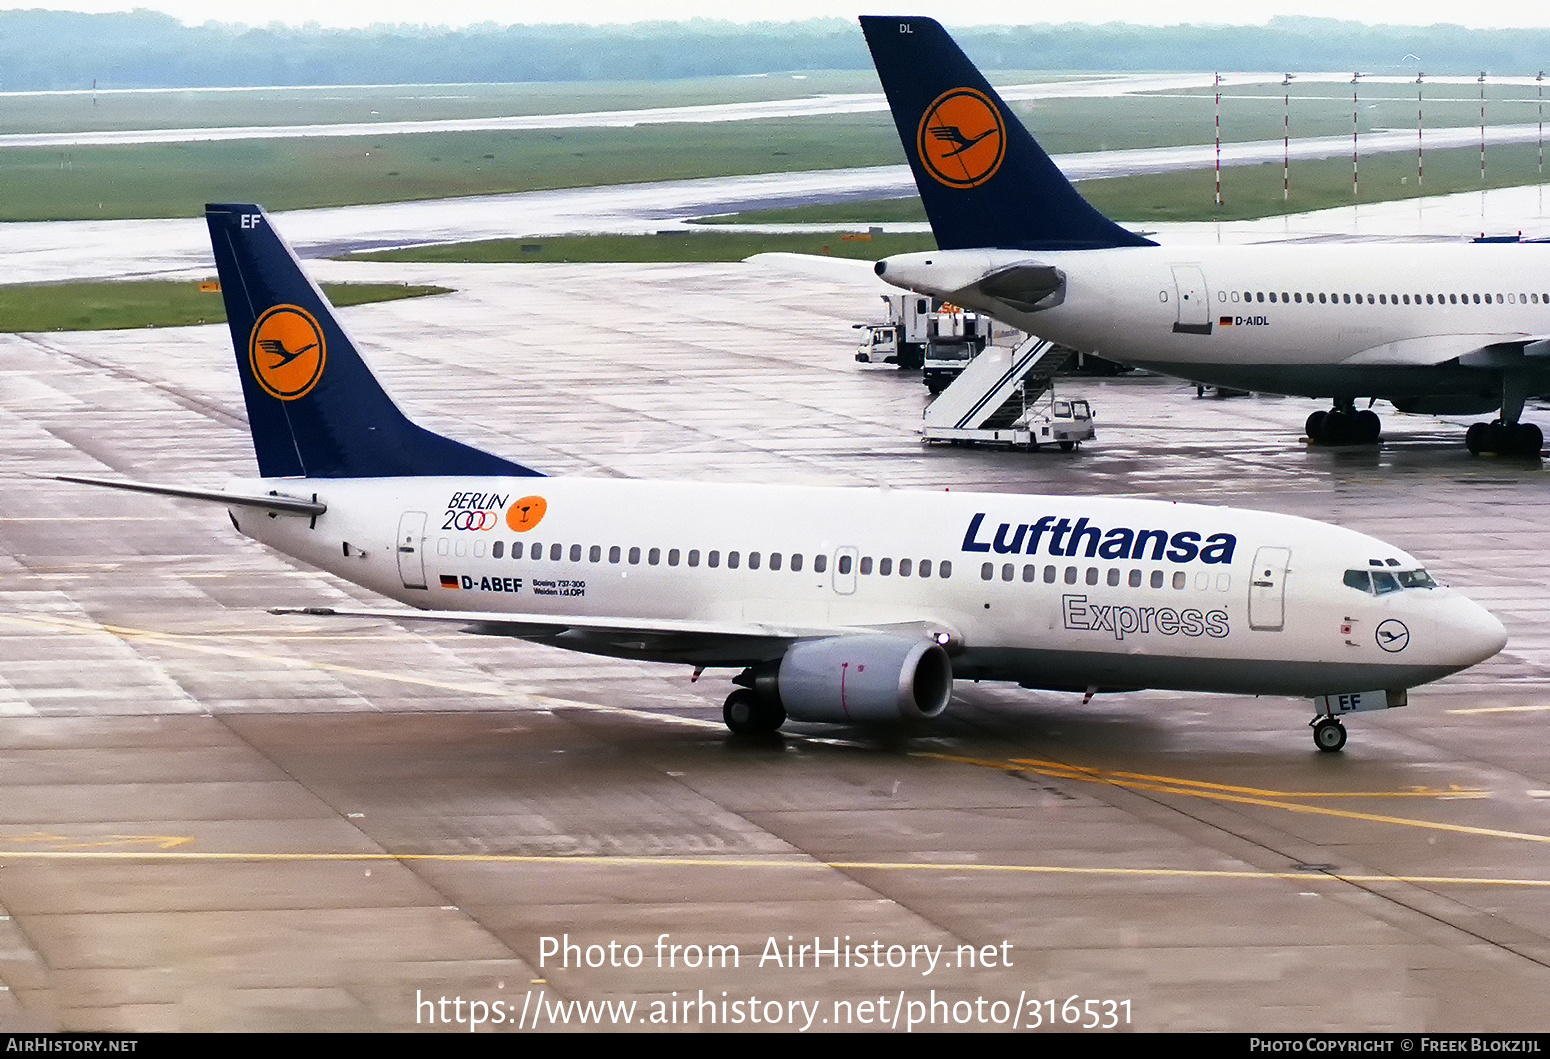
(42, 50)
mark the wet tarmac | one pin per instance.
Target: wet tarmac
(212, 818)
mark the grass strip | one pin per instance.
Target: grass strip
(676, 247)
(117, 305)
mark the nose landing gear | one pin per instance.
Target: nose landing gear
(1328, 734)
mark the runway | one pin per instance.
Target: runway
(212, 818)
(57, 251)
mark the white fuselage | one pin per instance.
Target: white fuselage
(1045, 591)
(1328, 320)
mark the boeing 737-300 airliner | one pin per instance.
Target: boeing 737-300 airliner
(834, 605)
(1461, 328)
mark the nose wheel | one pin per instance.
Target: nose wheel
(1328, 734)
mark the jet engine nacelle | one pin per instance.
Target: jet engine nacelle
(860, 678)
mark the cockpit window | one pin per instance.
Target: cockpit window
(1382, 582)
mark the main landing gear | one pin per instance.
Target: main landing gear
(1344, 425)
(1507, 436)
(1328, 734)
(1504, 439)
(747, 713)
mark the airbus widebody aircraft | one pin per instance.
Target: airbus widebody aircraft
(832, 605)
(1434, 327)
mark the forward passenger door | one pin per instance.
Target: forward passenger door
(1267, 589)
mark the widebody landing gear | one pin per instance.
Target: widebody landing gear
(1508, 436)
(746, 713)
(1504, 439)
(1328, 734)
(1344, 425)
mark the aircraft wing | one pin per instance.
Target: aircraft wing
(1472, 351)
(701, 643)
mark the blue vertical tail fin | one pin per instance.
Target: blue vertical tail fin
(314, 406)
(983, 178)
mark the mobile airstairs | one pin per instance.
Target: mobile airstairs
(1004, 397)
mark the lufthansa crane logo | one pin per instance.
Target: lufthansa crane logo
(1392, 635)
(286, 352)
(962, 138)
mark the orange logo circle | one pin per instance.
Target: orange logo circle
(286, 352)
(526, 513)
(962, 138)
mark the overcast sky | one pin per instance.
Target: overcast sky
(1493, 14)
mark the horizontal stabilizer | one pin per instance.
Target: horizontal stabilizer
(288, 505)
(851, 270)
(1026, 288)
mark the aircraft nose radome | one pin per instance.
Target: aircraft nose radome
(1473, 633)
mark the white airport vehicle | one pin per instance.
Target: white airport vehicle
(833, 605)
(939, 338)
(1447, 328)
